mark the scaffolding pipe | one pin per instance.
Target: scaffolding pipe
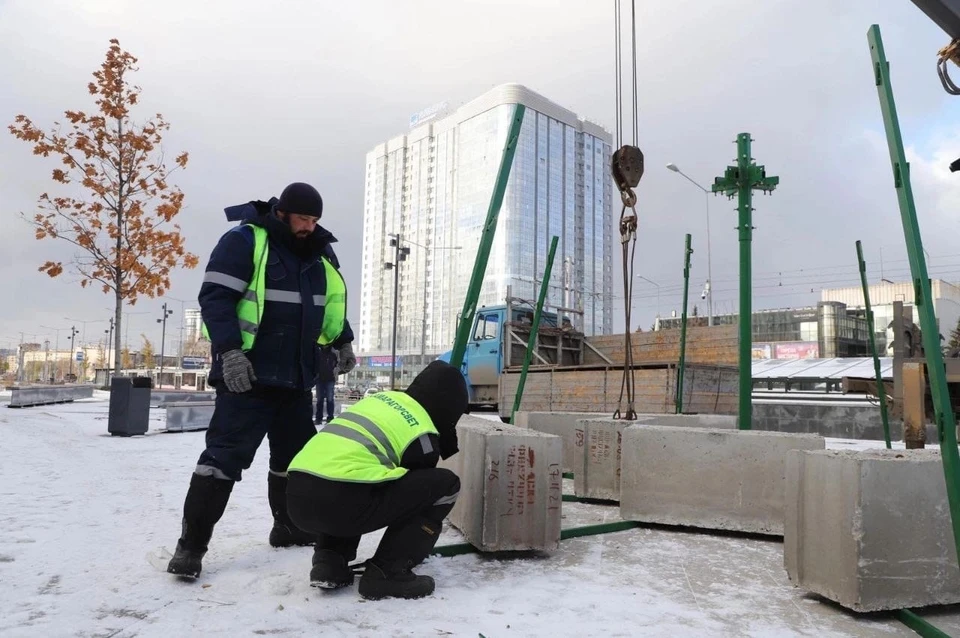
(881, 391)
(534, 329)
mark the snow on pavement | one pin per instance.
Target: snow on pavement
(86, 519)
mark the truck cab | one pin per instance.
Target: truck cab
(496, 343)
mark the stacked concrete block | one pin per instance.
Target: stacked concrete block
(596, 469)
(188, 416)
(871, 529)
(563, 424)
(567, 425)
(706, 477)
(511, 486)
(597, 462)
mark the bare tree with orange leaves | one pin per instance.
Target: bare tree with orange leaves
(119, 209)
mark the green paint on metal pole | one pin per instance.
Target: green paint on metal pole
(943, 411)
(881, 391)
(486, 239)
(687, 251)
(741, 180)
(920, 625)
(535, 328)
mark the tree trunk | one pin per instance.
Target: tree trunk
(118, 316)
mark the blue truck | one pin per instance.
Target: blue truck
(573, 373)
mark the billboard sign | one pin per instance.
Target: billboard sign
(797, 350)
(194, 363)
(378, 361)
(762, 351)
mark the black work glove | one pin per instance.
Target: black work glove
(448, 443)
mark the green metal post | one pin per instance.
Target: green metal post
(943, 411)
(687, 251)
(741, 180)
(535, 328)
(486, 238)
(881, 391)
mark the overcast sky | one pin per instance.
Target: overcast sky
(265, 93)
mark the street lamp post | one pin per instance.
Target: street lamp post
(163, 337)
(183, 309)
(658, 291)
(109, 333)
(56, 348)
(400, 253)
(73, 334)
(708, 289)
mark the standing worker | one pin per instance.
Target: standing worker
(374, 466)
(327, 372)
(271, 296)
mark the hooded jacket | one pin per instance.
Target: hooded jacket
(285, 353)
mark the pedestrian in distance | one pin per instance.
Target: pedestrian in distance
(375, 466)
(272, 295)
(327, 372)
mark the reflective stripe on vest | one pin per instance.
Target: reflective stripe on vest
(255, 294)
(365, 443)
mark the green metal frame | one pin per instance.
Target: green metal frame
(741, 180)
(881, 391)
(535, 328)
(687, 251)
(943, 411)
(486, 238)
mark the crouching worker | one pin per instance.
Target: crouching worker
(374, 466)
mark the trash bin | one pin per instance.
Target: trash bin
(129, 406)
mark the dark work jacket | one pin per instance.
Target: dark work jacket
(326, 363)
(285, 352)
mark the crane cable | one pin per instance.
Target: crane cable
(626, 167)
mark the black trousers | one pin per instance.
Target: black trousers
(240, 421)
(412, 508)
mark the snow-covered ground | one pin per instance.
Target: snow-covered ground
(86, 520)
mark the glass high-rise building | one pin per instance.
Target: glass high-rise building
(433, 187)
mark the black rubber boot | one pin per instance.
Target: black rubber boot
(202, 508)
(284, 532)
(393, 580)
(389, 573)
(330, 570)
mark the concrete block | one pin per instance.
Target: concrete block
(562, 424)
(27, 396)
(511, 486)
(596, 466)
(707, 477)
(188, 416)
(870, 529)
(597, 463)
(567, 426)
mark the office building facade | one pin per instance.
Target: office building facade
(432, 187)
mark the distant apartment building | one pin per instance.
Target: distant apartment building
(432, 186)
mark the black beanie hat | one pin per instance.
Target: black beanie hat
(442, 391)
(301, 199)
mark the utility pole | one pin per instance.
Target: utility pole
(182, 312)
(741, 180)
(46, 360)
(109, 333)
(400, 253)
(163, 337)
(687, 251)
(56, 348)
(73, 355)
